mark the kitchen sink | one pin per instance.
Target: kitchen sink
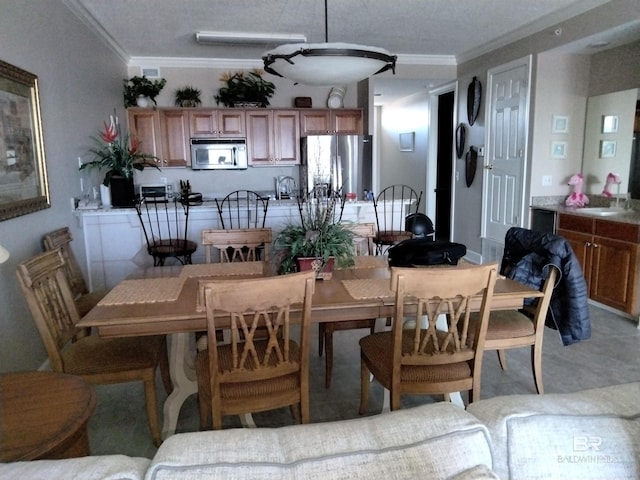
(604, 211)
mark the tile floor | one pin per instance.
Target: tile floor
(119, 424)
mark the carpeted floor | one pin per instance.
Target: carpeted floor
(119, 424)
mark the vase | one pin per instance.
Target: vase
(325, 272)
(143, 102)
(105, 196)
(122, 192)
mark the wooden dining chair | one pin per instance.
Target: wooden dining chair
(239, 245)
(391, 207)
(509, 329)
(364, 234)
(61, 239)
(250, 374)
(242, 209)
(96, 359)
(418, 357)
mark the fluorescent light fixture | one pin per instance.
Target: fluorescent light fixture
(246, 38)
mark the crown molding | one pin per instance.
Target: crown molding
(236, 63)
(532, 28)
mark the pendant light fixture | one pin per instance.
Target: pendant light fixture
(327, 64)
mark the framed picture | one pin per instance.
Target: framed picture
(607, 148)
(560, 124)
(558, 149)
(23, 175)
(609, 123)
(407, 141)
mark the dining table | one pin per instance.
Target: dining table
(165, 300)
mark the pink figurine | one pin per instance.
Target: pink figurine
(612, 178)
(577, 198)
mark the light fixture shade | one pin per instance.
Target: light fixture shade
(4, 254)
(327, 64)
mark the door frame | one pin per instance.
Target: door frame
(432, 153)
(524, 187)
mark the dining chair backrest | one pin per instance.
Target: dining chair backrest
(450, 293)
(282, 358)
(242, 209)
(391, 207)
(241, 245)
(319, 201)
(61, 239)
(165, 224)
(363, 235)
(51, 302)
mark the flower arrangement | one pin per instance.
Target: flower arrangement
(135, 87)
(119, 155)
(245, 87)
(320, 234)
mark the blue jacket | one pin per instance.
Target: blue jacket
(526, 254)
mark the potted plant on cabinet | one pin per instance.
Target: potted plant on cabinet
(187, 97)
(119, 156)
(137, 89)
(319, 241)
(245, 89)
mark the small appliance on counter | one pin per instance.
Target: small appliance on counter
(285, 187)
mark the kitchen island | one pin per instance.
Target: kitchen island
(115, 245)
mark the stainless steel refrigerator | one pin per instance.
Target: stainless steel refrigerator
(336, 163)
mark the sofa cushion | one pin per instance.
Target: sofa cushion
(431, 441)
(592, 434)
(105, 467)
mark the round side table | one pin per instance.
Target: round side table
(44, 415)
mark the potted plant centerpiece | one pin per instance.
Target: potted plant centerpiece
(319, 241)
(188, 97)
(137, 90)
(119, 156)
(245, 89)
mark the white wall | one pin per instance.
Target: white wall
(78, 90)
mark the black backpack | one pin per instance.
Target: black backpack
(423, 251)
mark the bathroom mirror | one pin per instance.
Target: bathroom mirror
(609, 143)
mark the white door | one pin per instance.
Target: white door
(505, 159)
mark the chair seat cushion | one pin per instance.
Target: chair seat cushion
(505, 324)
(378, 350)
(94, 355)
(173, 247)
(271, 386)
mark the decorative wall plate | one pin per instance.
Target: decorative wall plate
(461, 133)
(474, 96)
(471, 163)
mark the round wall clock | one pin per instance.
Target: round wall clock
(474, 96)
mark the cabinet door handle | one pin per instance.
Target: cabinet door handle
(587, 244)
(595, 245)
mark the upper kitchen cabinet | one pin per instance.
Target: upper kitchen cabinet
(174, 128)
(221, 123)
(144, 124)
(330, 121)
(273, 137)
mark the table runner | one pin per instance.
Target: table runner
(147, 290)
(368, 288)
(222, 269)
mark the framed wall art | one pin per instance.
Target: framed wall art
(609, 124)
(407, 141)
(607, 148)
(23, 175)
(558, 149)
(560, 124)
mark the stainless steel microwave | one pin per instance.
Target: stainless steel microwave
(218, 153)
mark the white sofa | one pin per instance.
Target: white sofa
(593, 434)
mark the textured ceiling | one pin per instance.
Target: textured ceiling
(166, 28)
